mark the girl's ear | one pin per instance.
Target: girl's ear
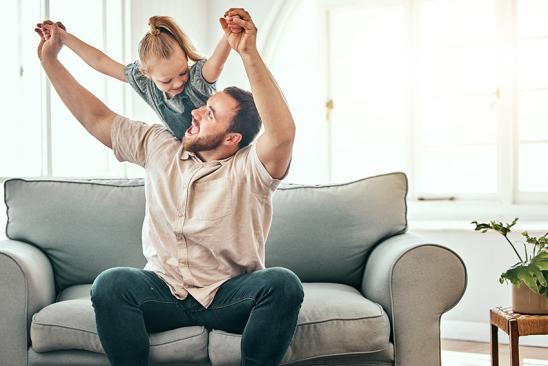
(144, 72)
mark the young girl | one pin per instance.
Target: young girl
(162, 76)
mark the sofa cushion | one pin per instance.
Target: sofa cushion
(324, 233)
(76, 222)
(70, 324)
(334, 320)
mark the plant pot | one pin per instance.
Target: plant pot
(525, 301)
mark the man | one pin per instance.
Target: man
(208, 212)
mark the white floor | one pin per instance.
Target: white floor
(460, 353)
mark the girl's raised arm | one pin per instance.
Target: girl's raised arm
(91, 55)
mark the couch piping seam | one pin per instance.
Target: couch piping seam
(334, 354)
(340, 319)
(301, 186)
(26, 300)
(95, 333)
(178, 340)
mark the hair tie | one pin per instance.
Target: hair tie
(154, 31)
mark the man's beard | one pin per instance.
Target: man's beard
(203, 143)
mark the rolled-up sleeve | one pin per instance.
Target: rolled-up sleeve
(136, 142)
(259, 178)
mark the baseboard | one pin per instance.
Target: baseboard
(479, 332)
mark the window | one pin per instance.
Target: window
(70, 142)
(368, 87)
(532, 95)
(40, 137)
(20, 97)
(453, 92)
(455, 95)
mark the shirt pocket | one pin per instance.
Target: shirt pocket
(211, 200)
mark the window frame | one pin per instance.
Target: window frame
(123, 104)
(508, 202)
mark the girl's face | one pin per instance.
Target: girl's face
(170, 75)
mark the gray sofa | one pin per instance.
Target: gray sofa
(374, 294)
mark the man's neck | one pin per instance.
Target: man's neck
(212, 155)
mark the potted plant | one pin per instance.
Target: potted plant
(529, 276)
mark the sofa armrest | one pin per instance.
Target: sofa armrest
(26, 286)
(415, 281)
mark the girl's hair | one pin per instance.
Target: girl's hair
(156, 42)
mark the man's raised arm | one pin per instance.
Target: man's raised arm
(93, 114)
(275, 145)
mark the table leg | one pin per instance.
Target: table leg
(494, 345)
(514, 342)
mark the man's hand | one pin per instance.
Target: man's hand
(240, 31)
(275, 145)
(52, 44)
(41, 44)
(44, 30)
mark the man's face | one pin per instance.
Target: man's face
(210, 123)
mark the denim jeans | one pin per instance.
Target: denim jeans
(130, 303)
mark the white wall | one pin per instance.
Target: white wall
(234, 73)
(289, 38)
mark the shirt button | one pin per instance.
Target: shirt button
(181, 214)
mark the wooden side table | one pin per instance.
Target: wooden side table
(515, 325)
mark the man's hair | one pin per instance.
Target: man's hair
(247, 121)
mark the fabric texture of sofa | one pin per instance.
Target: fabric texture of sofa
(374, 294)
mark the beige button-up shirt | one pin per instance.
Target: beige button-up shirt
(205, 222)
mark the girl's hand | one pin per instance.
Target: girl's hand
(230, 21)
(242, 39)
(45, 29)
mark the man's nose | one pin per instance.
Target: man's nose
(197, 113)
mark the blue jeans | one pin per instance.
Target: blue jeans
(130, 303)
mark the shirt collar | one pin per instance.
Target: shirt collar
(190, 155)
(186, 155)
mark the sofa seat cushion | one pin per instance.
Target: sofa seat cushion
(334, 319)
(70, 324)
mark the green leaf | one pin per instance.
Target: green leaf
(512, 224)
(481, 226)
(533, 273)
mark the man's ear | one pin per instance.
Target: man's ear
(144, 72)
(233, 138)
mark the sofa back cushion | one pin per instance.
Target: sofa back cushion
(84, 226)
(322, 233)
(325, 232)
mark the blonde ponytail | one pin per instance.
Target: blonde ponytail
(156, 42)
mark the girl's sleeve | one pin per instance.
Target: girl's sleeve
(137, 80)
(201, 87)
